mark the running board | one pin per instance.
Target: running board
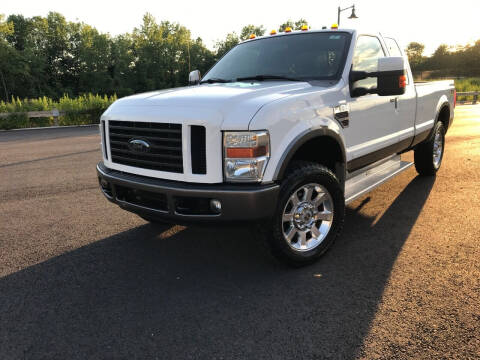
(365, 181)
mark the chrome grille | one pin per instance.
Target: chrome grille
(164, 151)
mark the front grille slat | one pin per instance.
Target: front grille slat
(153, 138)
(122, 145)
(148, 130)
(147, 164)
(165, 145)
(147, 155)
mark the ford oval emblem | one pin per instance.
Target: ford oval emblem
(139, 145)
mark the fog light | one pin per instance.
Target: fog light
(106, 187)
(104, 184)
(216, 206)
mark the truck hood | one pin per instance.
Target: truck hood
(227, 106)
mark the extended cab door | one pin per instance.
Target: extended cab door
(373, 124)
(406, 104)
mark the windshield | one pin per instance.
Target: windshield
(303, 56)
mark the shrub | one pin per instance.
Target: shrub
(82, 110)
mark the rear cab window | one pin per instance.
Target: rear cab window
(394, 50)
(392, 46)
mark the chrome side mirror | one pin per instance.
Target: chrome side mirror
(194, 77)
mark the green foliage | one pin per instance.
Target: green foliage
(461, 61)
(51, 57)
(465, 85)
(415, 54)
(84, 109)
(251, 29)
(224, 46)
(14, 121)
(297, 25)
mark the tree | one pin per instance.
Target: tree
(288, 23)
(223, 46)
(297, 25)
(440, 58)
(415, 55)
(300, 23)
(6, 31)
(251, 29)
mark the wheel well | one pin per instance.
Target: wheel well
(444, 116)
(323, 150)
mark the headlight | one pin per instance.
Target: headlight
(246, 154)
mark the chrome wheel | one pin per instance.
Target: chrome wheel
(437, 149)
(307, 217)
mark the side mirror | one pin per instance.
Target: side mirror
(390, 74)
(194, 77)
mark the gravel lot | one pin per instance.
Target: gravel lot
(82, 279)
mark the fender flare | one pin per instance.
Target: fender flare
(443, 103)
(302, 139)
(440, 106)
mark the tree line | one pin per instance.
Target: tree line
(50, 56)
(446, 61)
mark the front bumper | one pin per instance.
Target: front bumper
(181, 202)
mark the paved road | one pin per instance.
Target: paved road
(80, 278)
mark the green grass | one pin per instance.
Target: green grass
(84, 109)
(467, 84)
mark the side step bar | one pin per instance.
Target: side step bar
(365, 181)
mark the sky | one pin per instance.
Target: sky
(429, 22)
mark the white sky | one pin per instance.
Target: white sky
(429, 22)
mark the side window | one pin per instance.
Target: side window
(367, 51)
(393, 48)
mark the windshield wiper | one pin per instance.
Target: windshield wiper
(215, 80)
(268, 77)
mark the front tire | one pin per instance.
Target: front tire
(429, 154)
(309, 214)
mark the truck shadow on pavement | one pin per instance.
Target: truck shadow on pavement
(205, 294)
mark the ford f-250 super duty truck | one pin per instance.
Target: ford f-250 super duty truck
(283, 131)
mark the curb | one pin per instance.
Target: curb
(50, 127)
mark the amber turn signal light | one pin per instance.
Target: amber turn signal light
(241, 153)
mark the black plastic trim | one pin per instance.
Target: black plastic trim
(239, 202)
(198, 150)
(372, 157)
(420, 137)
(299, 141)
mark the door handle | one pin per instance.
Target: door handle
(395, 100)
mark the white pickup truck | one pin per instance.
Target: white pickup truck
(282, 131)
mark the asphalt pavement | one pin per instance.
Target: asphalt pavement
(82, 279)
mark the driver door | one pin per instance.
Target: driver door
(371, 127)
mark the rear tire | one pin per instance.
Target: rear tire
(309, 214)
(429, 154)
